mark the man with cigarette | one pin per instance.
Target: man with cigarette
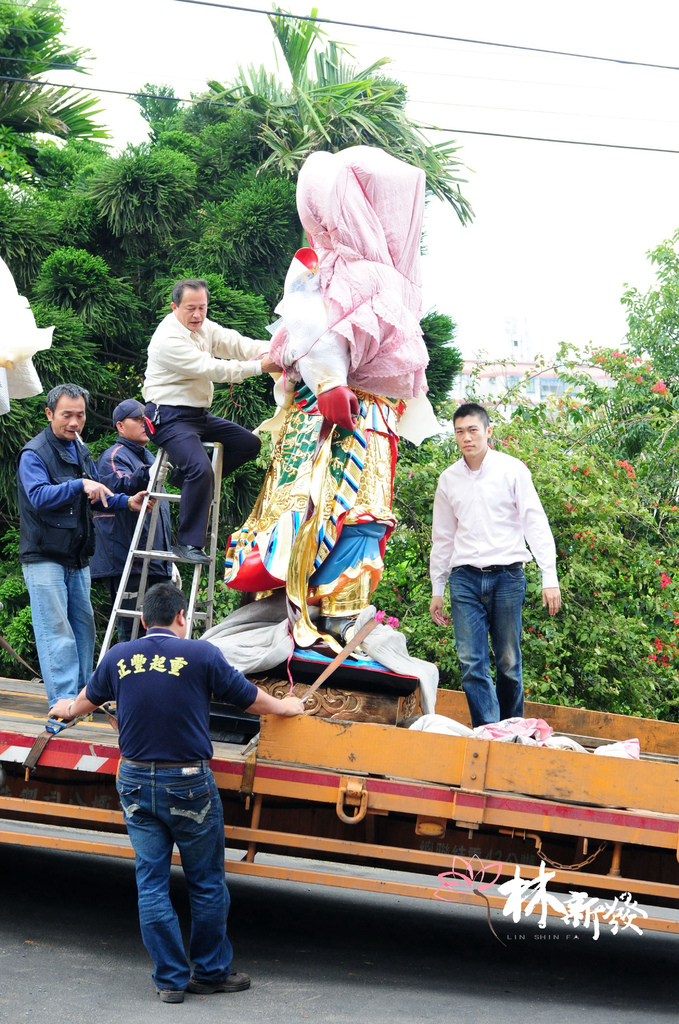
(58, 485)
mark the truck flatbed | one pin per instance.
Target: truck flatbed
(379, 808)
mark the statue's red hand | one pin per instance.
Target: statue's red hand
(339, 406)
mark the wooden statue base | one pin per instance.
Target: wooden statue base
(348, 705)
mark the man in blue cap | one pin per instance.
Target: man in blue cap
(125, 468)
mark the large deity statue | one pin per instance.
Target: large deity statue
(351, 346)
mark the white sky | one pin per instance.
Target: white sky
(559, 229)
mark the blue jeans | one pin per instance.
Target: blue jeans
(163, 806)
(485, 603)
(63, 624)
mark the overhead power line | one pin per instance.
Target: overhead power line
(31, 7)
(430, 35)
(425, 127)
(540, 138)
(26, 28)
(113, 92)
(541, 113)
(53, 66)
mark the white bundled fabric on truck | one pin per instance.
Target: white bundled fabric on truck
(256, 637)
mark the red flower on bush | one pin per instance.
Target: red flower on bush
(665, 580)
(660, 386)
(629, 469)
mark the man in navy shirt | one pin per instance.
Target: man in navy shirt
(125, 468)
(162, 685)
(58, 483)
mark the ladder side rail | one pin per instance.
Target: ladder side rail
(217, 461)
(127, 569)
(192, 613)
(145, 566)
(193, 599)
(156, 483)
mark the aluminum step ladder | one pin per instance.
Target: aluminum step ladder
(199, 609)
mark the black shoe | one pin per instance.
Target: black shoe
(235, 982)
(171, 995)
(190, 553)
(336, 625)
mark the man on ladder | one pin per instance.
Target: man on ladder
(187, 353)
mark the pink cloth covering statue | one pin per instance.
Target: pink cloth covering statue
(362, 210)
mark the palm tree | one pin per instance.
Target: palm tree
(30, 46)
(341, 106)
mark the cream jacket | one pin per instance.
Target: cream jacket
(182, 364)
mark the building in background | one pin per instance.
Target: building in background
(497, 379)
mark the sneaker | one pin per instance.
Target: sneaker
(235, 982)
(171, 995)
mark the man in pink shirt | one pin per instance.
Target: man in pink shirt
(486, 508)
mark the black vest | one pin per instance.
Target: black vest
(64, 534)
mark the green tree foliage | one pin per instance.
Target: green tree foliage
(142, 195)
(445, 361)
(653, 316)
(250, 237)
(30, 45)
(334, 107)
(75, 279)
(29, 229)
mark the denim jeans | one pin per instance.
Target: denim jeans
(63, 623)
(163, 806)
(485, 603)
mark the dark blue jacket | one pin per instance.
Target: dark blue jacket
(125, 469)
(62, 534)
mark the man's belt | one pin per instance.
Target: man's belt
(162, 764)
(494, 568)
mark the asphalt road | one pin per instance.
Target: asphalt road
(70, 952)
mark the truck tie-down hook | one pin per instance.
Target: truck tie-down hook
(352, 793)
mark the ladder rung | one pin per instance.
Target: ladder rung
(162, 496)
(128, 613)
(165, 556)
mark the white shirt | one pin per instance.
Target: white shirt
(182, 364)
(482, 517)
